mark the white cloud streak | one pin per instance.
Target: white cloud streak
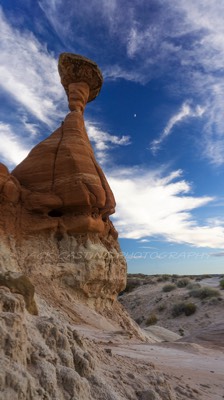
(12, 150)
(186, 111)
(151, 205)
(103, 141)
(114, 72)
(29, 73)
(183, 42)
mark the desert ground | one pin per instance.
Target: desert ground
(189, 348)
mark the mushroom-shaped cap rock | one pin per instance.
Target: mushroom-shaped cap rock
(75, 68)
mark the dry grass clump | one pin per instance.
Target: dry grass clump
(183, 308)
(183, 282)
(163, 278)
(169, 287)
(193, 285)
(204, 292)
(151, 320)
(214, 301)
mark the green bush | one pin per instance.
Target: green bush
(183, 282)
(151, 320)
(204, 292)
(169, 287)
(183, 308)
(221, 283)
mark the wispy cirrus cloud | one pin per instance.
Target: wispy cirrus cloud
(186, 111)
(28, 73)
(141, 213)
(104, 141)
(114, 72)
(183, 43)
(12, 149)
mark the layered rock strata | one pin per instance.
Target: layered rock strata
(55, 205)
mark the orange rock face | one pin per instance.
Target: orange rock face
(62, 173)
(59, 194)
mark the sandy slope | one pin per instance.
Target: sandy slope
(149, 299)
(193, 363)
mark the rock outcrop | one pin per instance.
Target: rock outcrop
(46, 358)
(55, 205)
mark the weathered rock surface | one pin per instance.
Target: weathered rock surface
(55, 205)
(19, 283)
(45, 358)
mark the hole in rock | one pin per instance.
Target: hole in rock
(55, 213)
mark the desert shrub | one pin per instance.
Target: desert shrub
(183, 282)
(169, 287)
(193, 285)
(183, 308)
(214, 301)
(189, 309)
(181, 331)
(163, 278)
(151, 320)
(131, 285)
(204, 292)
(177, 309)
(221, 284)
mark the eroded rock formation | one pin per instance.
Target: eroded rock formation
(55, 205)
(61, 174)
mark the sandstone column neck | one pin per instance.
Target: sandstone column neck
(78, 94)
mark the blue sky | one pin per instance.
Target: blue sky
(157, 126)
